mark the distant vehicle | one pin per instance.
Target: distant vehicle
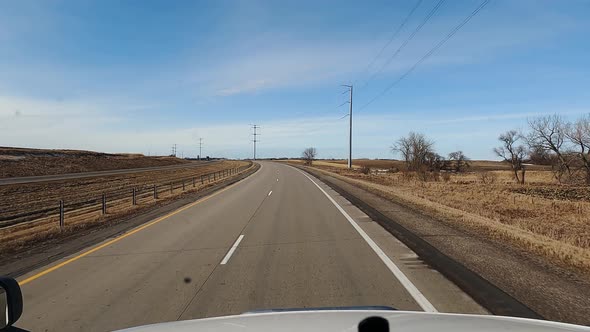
(374, 319)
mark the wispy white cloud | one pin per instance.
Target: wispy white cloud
(291, 62)
(292, 65)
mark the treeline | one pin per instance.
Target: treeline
(419, 155)
(550, 140)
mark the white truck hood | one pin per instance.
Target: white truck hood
(348, 321)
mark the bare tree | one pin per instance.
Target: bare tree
(579, 135)
(309, 155)
(435, 162)
(513, 153)
(548, 133)
(540, 156)
(459, 160)
(415, 149)
(404, 147)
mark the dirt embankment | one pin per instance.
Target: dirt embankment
(17, 162)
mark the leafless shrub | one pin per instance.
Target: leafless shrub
(393, 170)
(435, 176)
(487, 178)
(422, 174)
(446, 176)
(458, 161)
(365, 170)
(407, 175)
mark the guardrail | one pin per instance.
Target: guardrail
(110, 200)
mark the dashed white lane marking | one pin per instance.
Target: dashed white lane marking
(408, 285)
(270, 192)
(277, 180)
(231, 250)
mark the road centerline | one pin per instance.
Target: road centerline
(231, 250)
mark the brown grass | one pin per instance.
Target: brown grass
(557, 229)
(42, 229)
(476, 165)
(16, 162)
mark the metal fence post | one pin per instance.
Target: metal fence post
(155, 191)
(202, 179)
(61, 214)
(104, 204)
(193, 182)
(213, 176)
(134, 197)
(171, 189)
(182, 185)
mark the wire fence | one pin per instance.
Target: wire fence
(116, 199)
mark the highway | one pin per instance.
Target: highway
(82, 175)
(278, 239)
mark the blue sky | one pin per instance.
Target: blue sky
(139, 76)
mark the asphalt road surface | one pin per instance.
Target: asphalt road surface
(278, 239)
(81, 175)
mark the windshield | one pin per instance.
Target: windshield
(163, 161)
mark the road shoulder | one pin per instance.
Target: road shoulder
(504, 280)
(439, 292)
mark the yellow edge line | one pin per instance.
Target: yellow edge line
(86, 253)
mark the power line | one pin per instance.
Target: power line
(432, 50)
(392, 38)
(401, 47)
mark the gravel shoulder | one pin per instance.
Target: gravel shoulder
(548, 291)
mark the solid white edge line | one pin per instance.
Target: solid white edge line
(408, 285)
(231, 250)
(270, 192)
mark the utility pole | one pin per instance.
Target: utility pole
(350, 128)
(174, 150)
(200, 147)
(254, 127)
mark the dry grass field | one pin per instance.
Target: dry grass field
(476, 165)
(542, 216)
(32, 162)
(21, 198)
